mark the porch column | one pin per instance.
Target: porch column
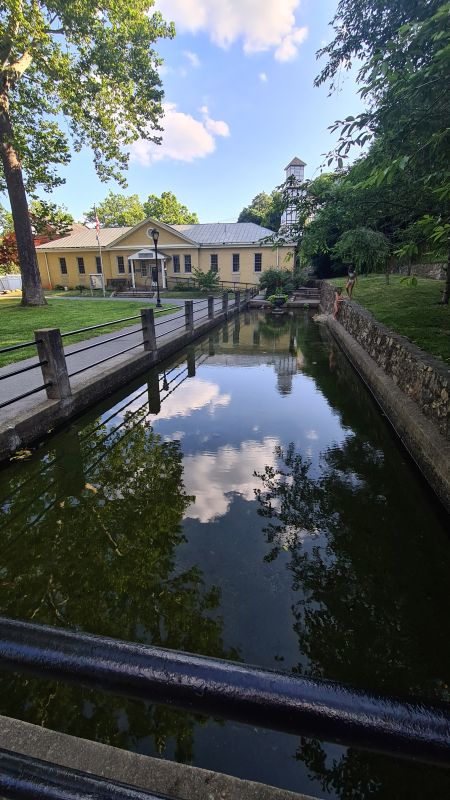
(133, 283)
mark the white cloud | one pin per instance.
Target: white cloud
(214, 477)
(184, 138)
(312, 435)
(262, 77)
(288, 48)
(191, 395)
(192, 58)
(261, 25)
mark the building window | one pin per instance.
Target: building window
(214, 262)
(63, 265)
(144, 270)
(120, 265)
(235, 262)
(81, 268)
(187, 264)
(258, 262)
(176, 263)
(98, 264)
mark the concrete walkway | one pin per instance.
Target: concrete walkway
(168, 328)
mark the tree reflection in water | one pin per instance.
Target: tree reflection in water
(367, 613)
(101, 559)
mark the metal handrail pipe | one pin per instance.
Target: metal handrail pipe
(99, 344)
(102, 325)
(25, 394)
(12, 347)
(22, 369)
(409, 729)
(108, 358)
(26, 777)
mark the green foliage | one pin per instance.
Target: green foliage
(404, 49)
(60, 58)
(265, 210)
(6, 221)
(117, 210)
(49, 219)
(206, 281)
(277, 280)
(278, 299)
(364, 248)
(168, 209)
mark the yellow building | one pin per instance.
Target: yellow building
(236, 251)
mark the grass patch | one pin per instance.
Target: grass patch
(17, 324)
(413, 311)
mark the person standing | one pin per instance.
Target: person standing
(351, 280)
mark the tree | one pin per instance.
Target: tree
(8, 254)
(6, 221)
(117, 210)
(50, 220)
(265, 210)
(363, 247)
(405, 52)
(168, 209)
(92, 64)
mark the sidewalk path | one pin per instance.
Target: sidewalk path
(167, 329)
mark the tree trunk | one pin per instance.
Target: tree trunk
(32, 294)
(446, 295)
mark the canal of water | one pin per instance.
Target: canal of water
(251, 503)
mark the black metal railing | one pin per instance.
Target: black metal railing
(280, 701)
(56, 376)
(26, 777)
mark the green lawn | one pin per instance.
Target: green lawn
(413, 311)
(17, 324)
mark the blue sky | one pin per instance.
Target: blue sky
(240, 103)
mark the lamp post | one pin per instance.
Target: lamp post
(155, 237)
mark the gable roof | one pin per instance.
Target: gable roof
(153, 221)
(296, 162)
(211, 233)
(85, 238)
(225, 232)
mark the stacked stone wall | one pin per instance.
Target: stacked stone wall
(424, 379)
(435, 271)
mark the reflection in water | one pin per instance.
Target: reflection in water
(247, 501)
(101, 559)
(347, 624)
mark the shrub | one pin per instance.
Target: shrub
(277, 280)
(207, 281)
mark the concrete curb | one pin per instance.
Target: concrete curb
(144, 772)
(427, 447)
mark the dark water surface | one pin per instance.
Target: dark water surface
(260, 509)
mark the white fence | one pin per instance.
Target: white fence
(9, 283)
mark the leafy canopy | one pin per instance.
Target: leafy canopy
(85, 67)
(363, 248)
(168, 209)
(265, 210)
(117, 210)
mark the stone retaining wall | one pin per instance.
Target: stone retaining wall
(422, 378)
(435, 271)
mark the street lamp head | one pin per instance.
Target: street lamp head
(155, 235)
